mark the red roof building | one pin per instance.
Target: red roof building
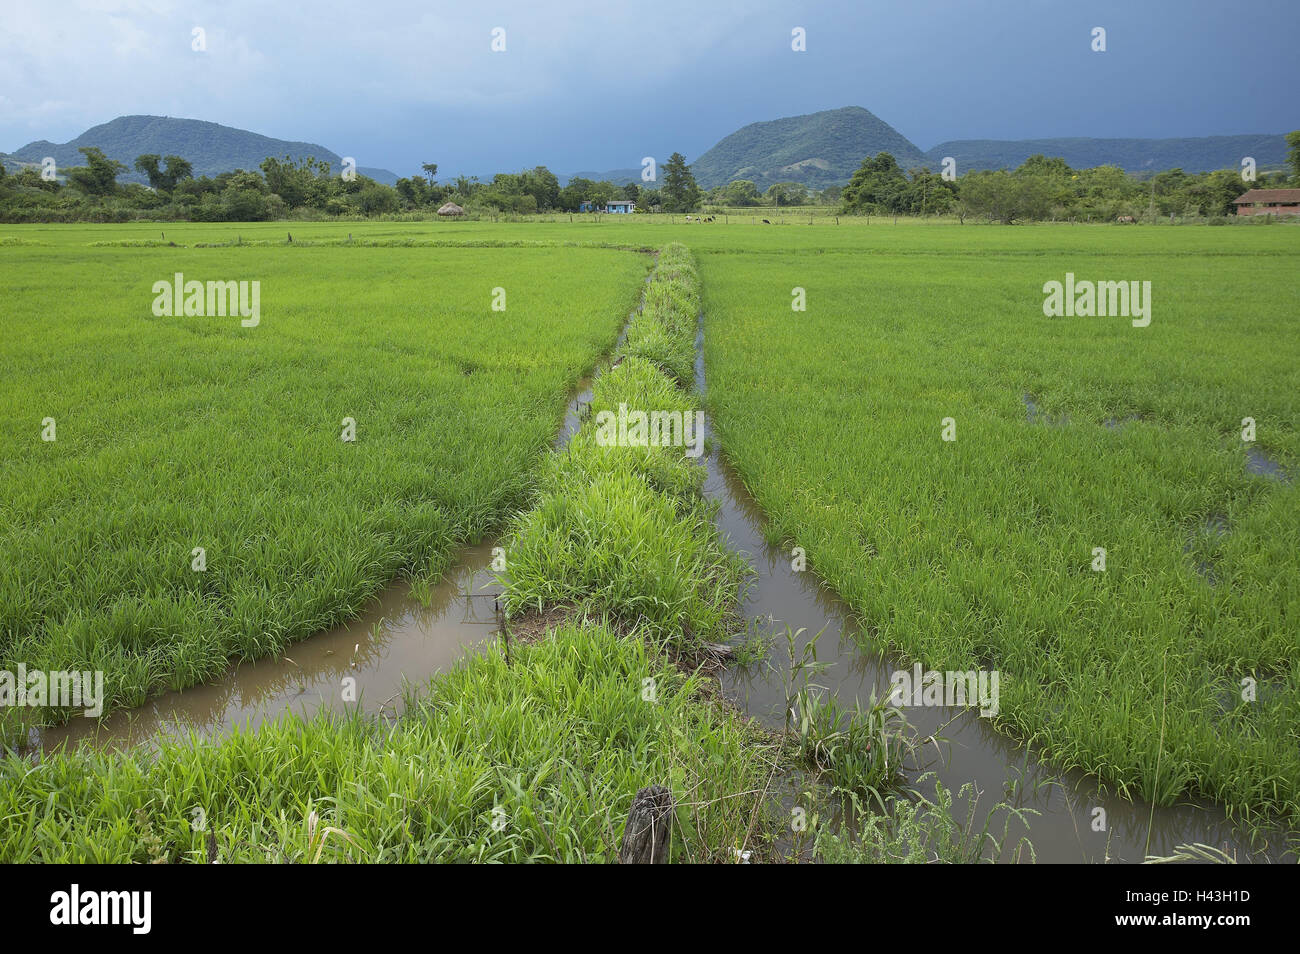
(1269, 202)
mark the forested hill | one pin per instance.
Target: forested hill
(210, 147)
(819, 149)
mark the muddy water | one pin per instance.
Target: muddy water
(399, 639)
(970, 751)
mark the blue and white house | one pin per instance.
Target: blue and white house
(617, 206)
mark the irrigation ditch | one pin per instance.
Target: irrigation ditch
(410, 633)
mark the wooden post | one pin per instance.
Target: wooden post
(649, 828)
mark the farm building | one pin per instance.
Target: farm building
(620, 206)
(1269, 202)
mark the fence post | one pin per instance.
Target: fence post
(649, 828)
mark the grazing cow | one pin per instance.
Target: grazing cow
(1124, 218)
(766, 222)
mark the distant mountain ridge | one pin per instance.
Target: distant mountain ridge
(1196, 154)
(826, 148)
(210, 147)
(817, 149)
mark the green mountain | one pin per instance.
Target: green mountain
(826, 148)
(1203, 154)
(210, 147)
(819, 149)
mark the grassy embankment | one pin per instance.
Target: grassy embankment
(621, 533)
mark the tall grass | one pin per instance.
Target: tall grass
(536, 758)
(917, 829)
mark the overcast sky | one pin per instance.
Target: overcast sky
(597, 85)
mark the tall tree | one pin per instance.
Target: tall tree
(680, 192)
(1006, 197)
(162, 179)
(147, 165)
(740, 192)
(177, 169)
(879, 185)
(542, 185)
(1293, 156)
(1040, 165)
(296, 182)
(99, 175)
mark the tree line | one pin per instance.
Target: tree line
(306, 187)
(1045, 187)
(1040, 188)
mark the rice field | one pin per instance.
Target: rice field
(526, 753)
(217, 491)
(954, 462)
(179, 491)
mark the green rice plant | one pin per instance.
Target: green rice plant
(918, 830)
(614, 546)
(852, 750)
(639, 385)
(536, 758)
(848, 750)
(663, 331)
(802, 666)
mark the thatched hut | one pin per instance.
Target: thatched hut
(451, 208)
